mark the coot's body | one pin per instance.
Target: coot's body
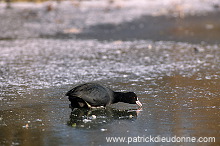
(96, 95)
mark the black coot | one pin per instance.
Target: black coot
(90, 95)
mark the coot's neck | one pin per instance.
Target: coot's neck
(119, 97)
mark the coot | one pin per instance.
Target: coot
(91, 95)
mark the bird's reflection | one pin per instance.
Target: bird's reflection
(91, 118)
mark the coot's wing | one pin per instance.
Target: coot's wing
(94, 94)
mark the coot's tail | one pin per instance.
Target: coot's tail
(68, 93)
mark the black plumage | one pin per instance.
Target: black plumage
(90, 95)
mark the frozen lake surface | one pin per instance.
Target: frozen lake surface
(176, 78)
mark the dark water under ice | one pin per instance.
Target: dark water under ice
(178, 84)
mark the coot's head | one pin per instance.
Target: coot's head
(131, 98)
